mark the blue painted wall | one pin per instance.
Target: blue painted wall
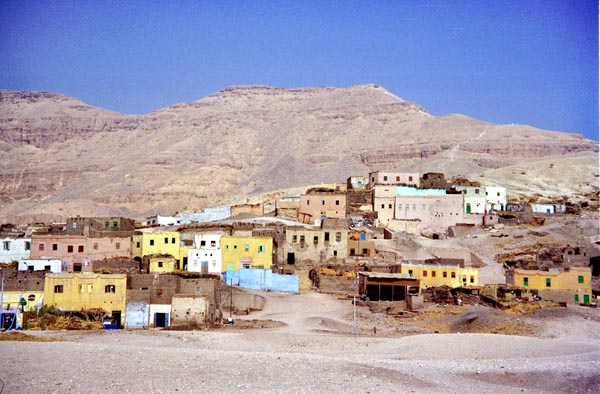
(409, 191)
(266, 280)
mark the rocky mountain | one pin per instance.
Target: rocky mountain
(61, 157)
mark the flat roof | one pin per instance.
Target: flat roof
(386, 275)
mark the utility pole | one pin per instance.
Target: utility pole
(354, 304)
(2, 302)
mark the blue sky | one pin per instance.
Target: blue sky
(526, 61)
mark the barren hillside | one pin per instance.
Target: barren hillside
(61, 157)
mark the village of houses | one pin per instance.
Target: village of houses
(201, 270)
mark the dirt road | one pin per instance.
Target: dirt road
(313, 353)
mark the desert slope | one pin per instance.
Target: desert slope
(61, 157)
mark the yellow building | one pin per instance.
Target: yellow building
(76, 291)
(577, 281)
(441, 275)
(13, 298)
(158, 243)
(246, 252)
(160, 263)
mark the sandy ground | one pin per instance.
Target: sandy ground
(315, 352)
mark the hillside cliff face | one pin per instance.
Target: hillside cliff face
(62, 157)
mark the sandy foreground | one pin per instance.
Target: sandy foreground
(315, 352)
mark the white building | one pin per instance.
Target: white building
(495, 197)
(205, 256)
(14, 249)
(54, 266)
(475, 199)
(162, 221)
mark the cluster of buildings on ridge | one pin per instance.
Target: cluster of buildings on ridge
(155, 273)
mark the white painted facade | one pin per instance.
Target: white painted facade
(205, 256)
(162, 221)
(54, 266)
(475, 199)
(384, 198)
(495, 198)
(14, 249)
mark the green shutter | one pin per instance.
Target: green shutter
(580, 279)
(525, 281)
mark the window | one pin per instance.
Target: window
(116, 223)
(90, 288)
(385, 178)
(106, 224)
(399, 207)
(160, 264)
(246, 266)
(198, 289)
(81, 289)
(261, 248)
(307, 202)
(173, 240)
(246, 247)
(137, 244)
(54, 246)
(397, 179)
(151, 242)
(410, 273)
(476, 191)
(95, 246)
(580, 279)
(338, 237)
(226, 247)
(41, 247)
(382, 206)
(77, 267)
(294, 239)
(498, 194)
(59, 289)
(6, 245)
(425, 274)
(326, 236)
(352, 252)
(316, 239)
(234, 247)
(433, 274)
(472, 279)
(525, 281)
(118, 245)
(70, 249)
(302, 239)
(109, 288)
(390, 206)
(453, 274)
(444, 274)
(337, 202)
(410, 178)
(27, 245)
(213, 244)
(322, 202)
(166, 240)
(80, 249)
(365, 251)
(548, 282)
(576, 297)
(74, 225)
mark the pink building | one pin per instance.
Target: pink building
(435, 212)
(393, 178)
(77, 250)
(321, 205)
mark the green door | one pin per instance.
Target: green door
(586, 298)
(468, 207)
